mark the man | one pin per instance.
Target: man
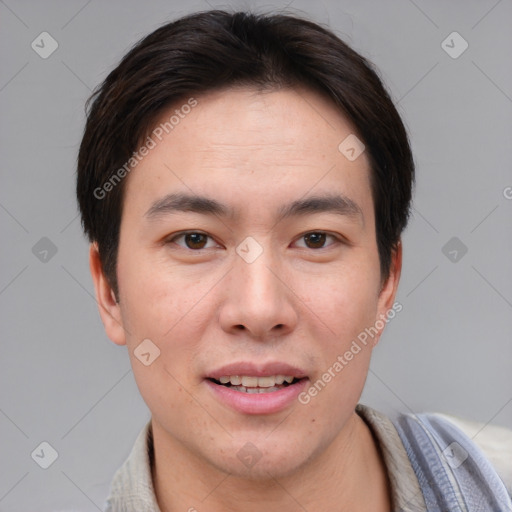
(244, 181)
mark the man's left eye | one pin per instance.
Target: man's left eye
(316, 239)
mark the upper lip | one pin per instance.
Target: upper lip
(246, 368)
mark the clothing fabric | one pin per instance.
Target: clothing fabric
(406, 462)
(453, 473)
(131, 489)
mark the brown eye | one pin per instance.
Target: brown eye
(318, 239)
(192, 240)
(315, 240)
(195, 240)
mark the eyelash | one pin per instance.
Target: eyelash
(173, 239)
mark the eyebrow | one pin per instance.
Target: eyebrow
(325, 203)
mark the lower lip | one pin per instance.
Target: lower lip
(258, 403)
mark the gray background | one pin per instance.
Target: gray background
(62, 381)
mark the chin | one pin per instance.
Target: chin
(263, 460)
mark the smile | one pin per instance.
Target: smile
(253, 385)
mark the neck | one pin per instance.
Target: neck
(348, 475)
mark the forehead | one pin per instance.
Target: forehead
(268, 144)
(244, 119)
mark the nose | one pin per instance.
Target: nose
(258, 299)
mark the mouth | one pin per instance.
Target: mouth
(251, 389)
(256, 385)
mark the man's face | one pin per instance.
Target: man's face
(250, 293)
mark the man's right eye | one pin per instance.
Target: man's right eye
(194, 240)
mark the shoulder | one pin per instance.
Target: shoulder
(452, 467)
(493, 440)
(131, 488)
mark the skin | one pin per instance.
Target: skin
(297, 303)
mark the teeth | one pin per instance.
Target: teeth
(250, 382)
(266, 382)
(255, 390)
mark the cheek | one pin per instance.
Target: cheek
(157, 298)
(347, 303)
(348, 308)
(157, 305)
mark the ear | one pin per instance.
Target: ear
(386, 302)
(110, 311)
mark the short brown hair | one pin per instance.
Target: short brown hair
(217, 49)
